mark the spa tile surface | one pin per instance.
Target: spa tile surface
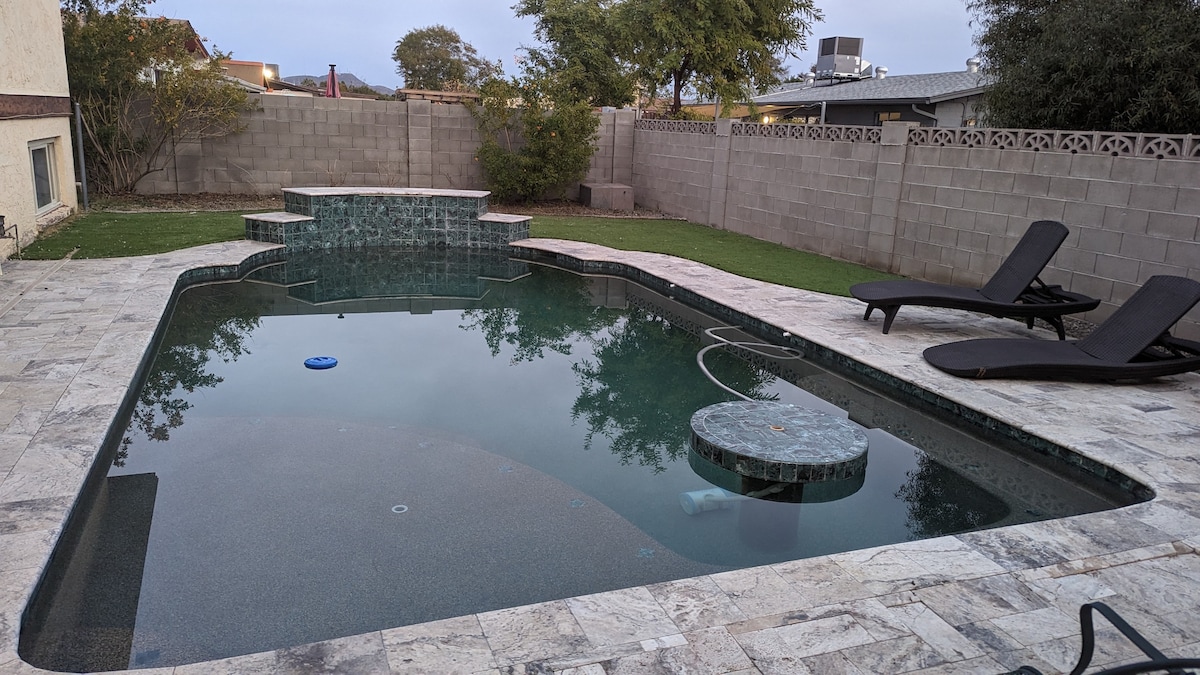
(75, 332)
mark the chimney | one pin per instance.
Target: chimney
(880, 72)
(973, 64)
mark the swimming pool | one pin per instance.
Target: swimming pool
(276, 505)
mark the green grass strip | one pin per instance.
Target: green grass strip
(736, 253)
(106, 234)
(102, 234)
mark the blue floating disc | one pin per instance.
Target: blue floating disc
(320, 362)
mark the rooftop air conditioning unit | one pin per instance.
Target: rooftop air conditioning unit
(841, 58)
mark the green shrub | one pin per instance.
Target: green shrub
(535, 144)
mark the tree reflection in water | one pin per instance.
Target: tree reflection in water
(940, 501)
(210, 321)
(549, 309)
(643, 385)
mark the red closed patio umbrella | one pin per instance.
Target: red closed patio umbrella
(332, 90)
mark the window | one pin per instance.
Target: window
(882, 117)
(45, 190)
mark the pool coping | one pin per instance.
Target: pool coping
(75, 336)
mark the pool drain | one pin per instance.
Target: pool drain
(399, 508)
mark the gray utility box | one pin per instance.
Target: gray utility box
(611, 196)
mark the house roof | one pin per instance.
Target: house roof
(927, 88)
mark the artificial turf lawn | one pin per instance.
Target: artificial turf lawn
(736, 253)
(105, 234)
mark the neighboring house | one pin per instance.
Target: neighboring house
(932, 100)
(37, 169)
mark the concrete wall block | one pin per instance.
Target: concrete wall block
(315, 141)
(955, 157)
(968, 179)
(1117, 268)
(963, 220)
(1083, 213)
(314, 116)
(1066, 188)
(985, 158)
(302, 128)
(997, 181)
(938, 273)
(1109, 193)
(1091, 166)
(1183, 254)
(937, 175)
(1012, 205)
(1100, 240)
(1149, 269)
(1153, 197)
(1018, 161)
(921, 194)
(1181, 173)
(950, 197)
(1126, 220)
(977, 200)
(1075, 260)
(1134, 169)
(1052, 163)
(1031, 184)
(1045, 209)
(1142, 247)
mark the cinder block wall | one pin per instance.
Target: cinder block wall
(299, 141)
(929, 205)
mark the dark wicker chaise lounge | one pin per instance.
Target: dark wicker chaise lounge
(1014, 291)
(1133, 343)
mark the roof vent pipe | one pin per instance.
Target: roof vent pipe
(809, 79)
(973, 64)
(880, 72)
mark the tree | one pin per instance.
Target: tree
(578, 38)
(436, 58)
(537, 137)
(717, 48)
(644, 385)
(1104, 65)
(140, 91)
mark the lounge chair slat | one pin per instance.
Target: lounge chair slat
(1146, 315)
(1027, 260)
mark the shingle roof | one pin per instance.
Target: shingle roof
(928, 88)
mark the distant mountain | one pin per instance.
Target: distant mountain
(348, 79)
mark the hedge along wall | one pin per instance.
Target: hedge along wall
(943, 205)
(301, 141)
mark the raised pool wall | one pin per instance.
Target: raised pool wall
(321, 218)
(941, 204)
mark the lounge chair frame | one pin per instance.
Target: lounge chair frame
(1134, 343)
(1015, 291)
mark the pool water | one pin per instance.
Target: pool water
(495, 433)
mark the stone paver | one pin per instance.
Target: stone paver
(74, 333)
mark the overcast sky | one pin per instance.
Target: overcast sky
(305, 36)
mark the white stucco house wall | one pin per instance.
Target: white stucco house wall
(37, 169)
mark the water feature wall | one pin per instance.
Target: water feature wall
(316, 218)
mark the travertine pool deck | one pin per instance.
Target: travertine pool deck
(74, 332)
